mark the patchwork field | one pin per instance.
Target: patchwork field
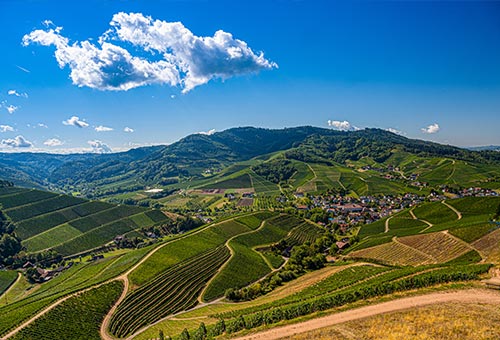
(196, 268)
(69, 224)
(416, 250)
(476, 213)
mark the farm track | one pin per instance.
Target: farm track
(231, 250)
(465, 297)
(387, 224)
(123, 277)
(312, 180)
(430, 225)
(459, 214)
(19, 276)
(220, 300)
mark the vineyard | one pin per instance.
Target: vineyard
(398, 223)
(475, 205)
(473, 232)
(79, 276)
(42, 207)
(435, 213)
(175, 290)
(305, 232)
(251, 221)
(243, 268)
(7, 277)
(415, 250)
(70, 224)
(79, 317)
(488, 245)
(392, 253)
(344, 278)
(33, 226)
(242, 181)
(439, 246)
(231, 276)
(183, 248)
(23, 197)
(378, 285)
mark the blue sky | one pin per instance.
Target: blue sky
(430, 70)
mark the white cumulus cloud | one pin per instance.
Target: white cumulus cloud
(433, 128)
(17, 94)
(53, 142)
(166, 53)
(5, 128)
(342, 125)
(396, 131)
(208, 133)
(127, 129)
(101, 128)
(11, 108)
(75, 121)
(42, 125)
(16, 142)
(99, 146)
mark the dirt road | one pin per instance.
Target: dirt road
(465, 296)
(459, 214)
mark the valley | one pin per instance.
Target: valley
(231, 238)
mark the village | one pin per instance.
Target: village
(346, 212)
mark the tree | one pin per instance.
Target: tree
(9, 246)
(185, 335)
(161, 335)
(201, 332)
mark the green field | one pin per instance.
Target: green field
(79, 317)
(242, 181)
(174, 290)
(7, 278)
(79, 276)
(435, 213)
(184, 248)
(245, 256)
(36, 225)
(70, 224)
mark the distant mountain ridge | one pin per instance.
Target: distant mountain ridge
(195, 153)
(484, 148)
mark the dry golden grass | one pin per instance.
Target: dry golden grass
(438, 322)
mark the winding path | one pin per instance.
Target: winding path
(19, 276)
(387, 224)
(429, 224)
(464, 297)
(459, 214)
(123, 277)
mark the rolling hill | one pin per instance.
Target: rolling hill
(196, 157)
(70, 225)
(443, 243)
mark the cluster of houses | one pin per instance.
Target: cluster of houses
(41, 275)
(472, 191)
(349, 211)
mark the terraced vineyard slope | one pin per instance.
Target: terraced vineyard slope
(69, 224)
(175, 290)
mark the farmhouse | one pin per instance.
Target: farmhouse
(342, 244)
